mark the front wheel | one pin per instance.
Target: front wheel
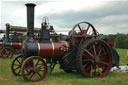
(34, 69)
(16, 65)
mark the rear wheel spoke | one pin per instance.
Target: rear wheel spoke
(85, 64)
(80, 28)
(95, 70)
(99, 53)
(86, 55)
(104, 63)
(89, 53)
(94, 48)
(88, 67)
(87, 29)
(98, 69)
(87, 60)
(81, 42)
(91, 70)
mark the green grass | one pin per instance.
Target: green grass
(58, 77)
(123, 53)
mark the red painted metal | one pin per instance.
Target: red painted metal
(16, 45)
(34, 69)
(6, 52)
(81, 32)
(56, 49)
(111, 42)
(16, 65)
(96, 59)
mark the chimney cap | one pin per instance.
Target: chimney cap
(30, 4)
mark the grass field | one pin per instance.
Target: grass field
(58, 77)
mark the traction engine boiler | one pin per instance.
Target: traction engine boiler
(81, 51)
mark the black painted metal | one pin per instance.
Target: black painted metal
(44, 33)
(30, 46)
(30, 19)
(7, 32)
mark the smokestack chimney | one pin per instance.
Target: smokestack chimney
(7, 32)
(30, 19)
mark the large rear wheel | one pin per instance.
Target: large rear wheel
(94, 58)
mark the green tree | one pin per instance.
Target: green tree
(122, 41)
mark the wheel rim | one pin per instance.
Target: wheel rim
(34, 69)
(16, 65)
(7, 52)
(81, 32)
(96, 59)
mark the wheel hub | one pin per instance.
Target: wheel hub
(36, 69)
(96, 59)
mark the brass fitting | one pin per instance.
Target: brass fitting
(7, 25)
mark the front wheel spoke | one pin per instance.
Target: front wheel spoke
(16, 64)
(19, 71)
(31, 75)
(42, 69)
(27, 72)
(18, 61)
(37, 62)
(17, 68)
(39, 74)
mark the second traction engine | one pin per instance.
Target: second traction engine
(81, 51)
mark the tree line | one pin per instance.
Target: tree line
(121, 40)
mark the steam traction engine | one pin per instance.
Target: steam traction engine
(81, 51)
(11, 43)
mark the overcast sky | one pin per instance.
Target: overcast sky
(107, 16)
